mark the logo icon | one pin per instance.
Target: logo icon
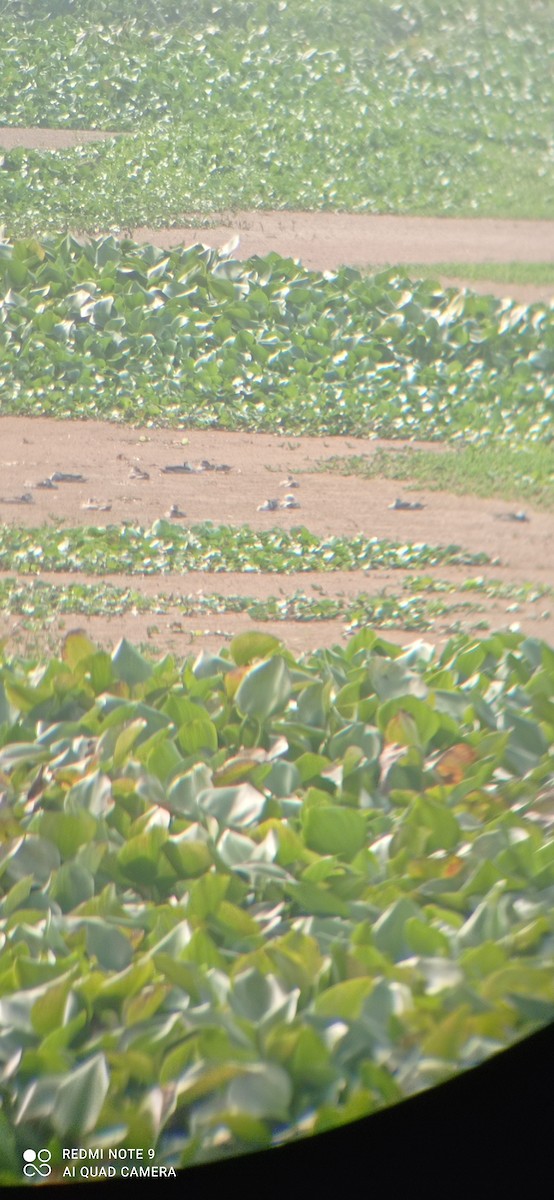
(37, 1163)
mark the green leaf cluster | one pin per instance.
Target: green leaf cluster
(208, 547)
(133, 333)
(247, 897)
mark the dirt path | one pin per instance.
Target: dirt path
(324, 241)
(327, 240)
(109, 457)
(50, 139)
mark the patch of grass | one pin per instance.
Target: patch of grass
(345, 105)
(524, 473)
(540, 273)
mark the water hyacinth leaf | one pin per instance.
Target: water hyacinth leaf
(234, 849)
(9, 1156)
(317, 901)
(239, 767)
(443, 826)
(263, 1091)
(206, 895)
(6, 713)
(21, 754)
(489, 920)
(49, 1012)
(283, 778)
(93, 794)
(116, 711)
(182, 796)
(200, 734)
(388, 931)
(234, 678)
(199, 1081)
(129, 665)
(16, 895)
(143, 1006)
(330, 829)
(424, 939)
(207, 665)
(35, 856)
(402, 730)
(261, 1000)
(238, 925)
(446, 1041)
(236, 807)
(39, 1101)
(162, 758)
(77, 648)
(72, 885)
(356, 734)
(453, 765)
(344, 1000)
(246, 647)
(68, 830)
(112, 950)
(312, 703)
(139, 858)
(527, 743)
(311, 1061)
(127, 739)
(265, 689)
(187, 857)
(309, 766)
(410, 711)
(392, 679)
(249, 1131)
(80, 1097)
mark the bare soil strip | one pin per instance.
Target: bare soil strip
(110, 456)
(159, 634)
(175, 630)
(325, 240)
(50, 139)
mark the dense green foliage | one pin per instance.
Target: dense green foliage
(208, 547)
(426, 106)
(188, 336)
(250, 898)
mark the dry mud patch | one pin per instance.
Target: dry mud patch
(108, 456)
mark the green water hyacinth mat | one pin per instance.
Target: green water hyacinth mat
(247, 898)
(114, 549)
(419, 107)
(133, 333)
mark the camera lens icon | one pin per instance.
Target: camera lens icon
(37, 1162)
